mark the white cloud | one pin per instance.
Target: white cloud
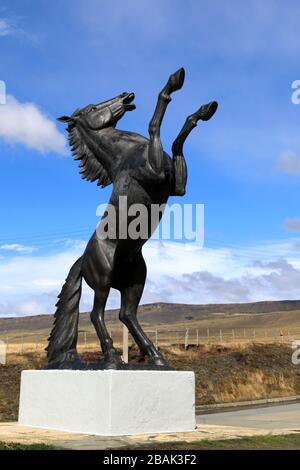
(30, 284)
(17, 248)
(177, 272)
(289, 162)
(193, 275)
(293, 225)
(10, 27)
(6, 27)
(278, 281)
(25, 123)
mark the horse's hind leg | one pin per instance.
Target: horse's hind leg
(131, 286)
(130, 299)
(204, 113)
(111, 356)
(97, 271)
(155, 154)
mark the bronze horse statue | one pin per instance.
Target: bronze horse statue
(139, 169)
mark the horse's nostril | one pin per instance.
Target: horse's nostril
(129, 97)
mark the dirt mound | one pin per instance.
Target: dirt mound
(223, 373)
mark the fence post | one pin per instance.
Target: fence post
(233, 335)
(177, 338)
(186, 339)
(207, 335)
(125, 344)
(244, 332)
(281, 336)
(221, 335)
(85, 342)
(197, 332)
(156, 338)
(254, 334)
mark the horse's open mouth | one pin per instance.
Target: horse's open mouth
(127, 102)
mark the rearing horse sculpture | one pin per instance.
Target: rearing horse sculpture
(139, 169)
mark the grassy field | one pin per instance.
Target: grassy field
(287, 442)
(16, 446)
(24, 336)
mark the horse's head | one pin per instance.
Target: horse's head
(101, 115)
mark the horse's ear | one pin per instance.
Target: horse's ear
(65, 119)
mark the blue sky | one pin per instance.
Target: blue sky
(244, 164)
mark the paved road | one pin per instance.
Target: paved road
(279, 417)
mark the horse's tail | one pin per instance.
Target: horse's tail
(63, 337)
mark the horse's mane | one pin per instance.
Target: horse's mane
(90, 167)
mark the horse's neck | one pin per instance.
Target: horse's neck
(111, 141)
(102, 148)
(110, 137)
(110, 146)
(97, 140)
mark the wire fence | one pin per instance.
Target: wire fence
(183, 337)
(196, 337)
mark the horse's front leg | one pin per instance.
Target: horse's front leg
(155, 153)
(204, 113)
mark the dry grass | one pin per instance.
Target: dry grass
(20, 342)
(230, 329)
(10, 382)
(239, 372)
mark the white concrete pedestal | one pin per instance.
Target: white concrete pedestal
(108, 403)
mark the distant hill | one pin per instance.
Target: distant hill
(162, 313)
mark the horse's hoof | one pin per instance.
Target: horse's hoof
(142, 356)
(114, 365)
(160, 363)
(176, 80)
(206, 111)
(112, 360)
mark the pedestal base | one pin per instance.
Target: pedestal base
(109, 402)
